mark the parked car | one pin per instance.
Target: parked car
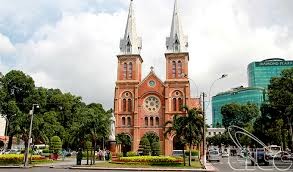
(286, 156)
(213, 155)
(12, 151)
(259, 156)
(177, 152)
(225, 154)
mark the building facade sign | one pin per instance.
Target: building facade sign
(274, 63)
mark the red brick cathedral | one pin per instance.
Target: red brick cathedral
(143, 105)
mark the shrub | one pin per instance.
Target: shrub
(193, 153)
(88, 145)
(131, 153)
(55, 144)
(16, 159)
(156, 149)
(152, 160)
(144, 146)
(119, 155)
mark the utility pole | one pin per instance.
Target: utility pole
(204, 128)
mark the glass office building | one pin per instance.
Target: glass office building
(239, 95)
(260, 73)
(259, 76)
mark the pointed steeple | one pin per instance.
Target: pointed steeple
(130, 43)
(177, 42)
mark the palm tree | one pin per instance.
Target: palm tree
(124, 140)
(174, 128)
(192, 128)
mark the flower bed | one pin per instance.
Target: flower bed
(16, 159)
(152, 160)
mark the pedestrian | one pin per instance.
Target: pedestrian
(103, 155)
(100, 154)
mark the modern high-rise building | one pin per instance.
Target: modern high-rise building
(260, 73)
(143, 105)
(241, 95)
(259, 76)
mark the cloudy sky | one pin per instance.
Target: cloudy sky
(72, 44)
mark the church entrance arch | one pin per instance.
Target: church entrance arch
(177, 143)
(124, 140)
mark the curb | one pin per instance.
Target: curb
(13, 166)
(141, 169)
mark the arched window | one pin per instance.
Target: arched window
(130, 70)
(174, 104)
(179, 68)
(146, 121)
(124, 71)
(152, 121)
(129, 105)
(128, 121)
(173, 69)
(123, 121)
(124, 105)
(180, 103)
(157, 121)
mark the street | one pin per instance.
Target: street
(240, 164)
(45, 169)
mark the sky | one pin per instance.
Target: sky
(72, 44)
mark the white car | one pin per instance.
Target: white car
(225, 154)
(214, 155)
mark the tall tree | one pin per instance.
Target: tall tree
(238, 114)
(174, 129)
(16, 86)
(280, 93)
(193, 126)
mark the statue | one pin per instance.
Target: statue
(112, 128)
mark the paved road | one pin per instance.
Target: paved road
(233, 164)
(51, 170)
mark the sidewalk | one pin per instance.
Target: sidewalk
(143, 169)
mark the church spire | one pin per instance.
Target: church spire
(130, 43)
(177, 42)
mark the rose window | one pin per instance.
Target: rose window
(152, 104)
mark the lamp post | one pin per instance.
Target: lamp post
(30, 134)
(204, 115)
(203, 95)
(6, 131)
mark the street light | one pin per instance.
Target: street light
(6, 131)
(30, 134)
(204, 118)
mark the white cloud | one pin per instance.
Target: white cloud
(78, 52)
(5, 45)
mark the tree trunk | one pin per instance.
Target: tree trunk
(87, 156)
(91, 156)
(95, 147)
(10, 142)
(183, 156)
(291, 132)
(189, 160)
(25, 152)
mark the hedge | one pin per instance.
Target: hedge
(152, 160)
(16, 159)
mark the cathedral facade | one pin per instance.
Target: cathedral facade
(144, 105)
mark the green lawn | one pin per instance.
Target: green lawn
(194, 164)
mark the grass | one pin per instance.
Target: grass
(194, 164)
